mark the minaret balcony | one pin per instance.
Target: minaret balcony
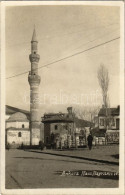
(34, 57)
(34, 79)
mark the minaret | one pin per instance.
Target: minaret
(34, 81)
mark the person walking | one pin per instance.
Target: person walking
(90, 139)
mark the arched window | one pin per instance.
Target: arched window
(22, 125)
(19, 134)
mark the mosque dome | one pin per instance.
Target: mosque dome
(18, 116)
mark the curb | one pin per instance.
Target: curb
(78, 157)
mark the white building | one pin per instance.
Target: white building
(17, 130)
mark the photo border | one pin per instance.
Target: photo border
(63, 191)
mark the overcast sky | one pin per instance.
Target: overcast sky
(62, 31)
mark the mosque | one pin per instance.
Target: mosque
(23, 127)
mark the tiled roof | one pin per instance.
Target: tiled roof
(11, 110)
(18, 116)
(62, 117)
(59, 117)
(110, 111)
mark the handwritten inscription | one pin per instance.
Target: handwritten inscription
(94, 173)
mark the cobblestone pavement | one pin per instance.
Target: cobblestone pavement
(26, 169)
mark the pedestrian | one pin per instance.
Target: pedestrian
(90, 139)
(41, 144)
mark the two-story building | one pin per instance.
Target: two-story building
(109, 118)
(57, 127)
(64, 129)
(109, 123)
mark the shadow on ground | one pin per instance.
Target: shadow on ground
(34, 158)
(76, 157)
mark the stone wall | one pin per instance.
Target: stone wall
(17, 124)
(17, 137)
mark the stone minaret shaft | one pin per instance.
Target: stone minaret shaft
(34, 81)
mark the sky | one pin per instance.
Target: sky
(61, 31)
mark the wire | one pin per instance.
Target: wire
(67, 57)
(96, 39)
(86, 43)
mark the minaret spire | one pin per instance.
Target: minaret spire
(34, 35)
(34, 81)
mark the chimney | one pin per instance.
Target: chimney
(69, 109)
(118, 107)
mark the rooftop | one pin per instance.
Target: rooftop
(64, 117)
(56, 117)
(110, 111)
(18, 116)
(11, 110)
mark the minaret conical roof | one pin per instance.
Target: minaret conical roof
(34, 35)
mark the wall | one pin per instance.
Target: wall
(112, 126)
(46, 133)
(63, 129)
(17, 124)
(42, 132)
(14, 139)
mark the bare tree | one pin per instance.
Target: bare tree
(86, 113)
(103, 78)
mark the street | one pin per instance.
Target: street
(28, 169)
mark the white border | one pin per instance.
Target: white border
(99, 191)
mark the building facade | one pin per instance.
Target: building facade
(17, 127)
(65, 130)
(111, 120)
(57, 128)
(109, 124)
(17, 130)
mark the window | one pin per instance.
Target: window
(102, 122)
(56, 127)
(113, 122)
(19, 134)
(23, 126)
